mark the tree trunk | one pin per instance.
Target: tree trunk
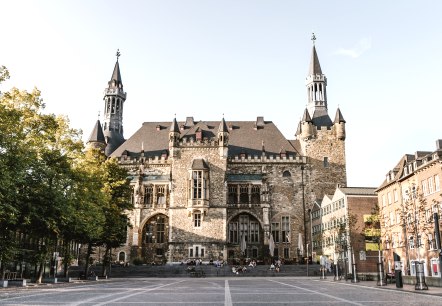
(88, 255)
(40, 272)
(105, 262)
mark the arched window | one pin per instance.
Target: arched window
(286, 173)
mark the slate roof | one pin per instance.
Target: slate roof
(116, 76)
(339, 118)
(315, 67)
(370, 191)
(97, 133)
(321, 118)
(244, 137)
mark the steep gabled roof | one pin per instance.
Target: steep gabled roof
(244, 137)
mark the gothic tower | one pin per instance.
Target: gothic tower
(114, 97)
(321, 139)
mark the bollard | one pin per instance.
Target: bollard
(323, 276)
(381, 275)
(355, 274)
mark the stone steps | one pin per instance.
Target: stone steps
(206, 270)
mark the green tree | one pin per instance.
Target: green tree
(117, 189)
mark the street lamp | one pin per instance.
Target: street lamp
(437, 237)
(303, 209)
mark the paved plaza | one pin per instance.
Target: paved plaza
(219, 291)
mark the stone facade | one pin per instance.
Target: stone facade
(223, 190)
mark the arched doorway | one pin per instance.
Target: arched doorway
(245, 239)
(122, 257)
(155, 237)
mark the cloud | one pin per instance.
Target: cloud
(363, 45)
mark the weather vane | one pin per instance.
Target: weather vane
(118, 54)
(98, 115)
(313, 38)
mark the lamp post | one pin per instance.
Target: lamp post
(303, 209)
(437, 237)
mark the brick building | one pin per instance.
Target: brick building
(221, 189)
(408, 198)
(343, 225)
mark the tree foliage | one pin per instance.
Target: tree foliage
(51, 189)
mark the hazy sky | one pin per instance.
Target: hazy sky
(243, 58)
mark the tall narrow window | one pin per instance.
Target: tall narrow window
(244, 194)
(149, 233)
(161, 195)
(285, 229)
(197, 219)
(233, 232)
(244, 227)
(197, 184)
(256, 195)
(430, 185)
(233, 194)
(148, 194)
(254, 232)
(326, 163)
(275, 232)
(436, 183)
(161, 227)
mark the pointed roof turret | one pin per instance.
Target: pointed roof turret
(116, 75)
(174, 126)
(339, 118)
(315, 67)
(223, 127)
(97, 133)
(306, 117)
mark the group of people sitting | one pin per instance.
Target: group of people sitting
(276, 265)
(238, 269)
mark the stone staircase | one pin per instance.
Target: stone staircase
(203, 270)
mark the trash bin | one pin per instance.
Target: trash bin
(398, 274)
(420, 276)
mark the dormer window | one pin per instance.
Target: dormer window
(198, 134)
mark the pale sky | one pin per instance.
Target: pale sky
(240, 58)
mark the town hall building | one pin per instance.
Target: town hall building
(224, 190)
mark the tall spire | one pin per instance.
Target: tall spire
(114, 97)
(116, 81)
(316, 83)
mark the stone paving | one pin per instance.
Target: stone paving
(220, 291)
